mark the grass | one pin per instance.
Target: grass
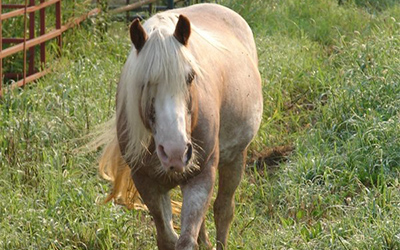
(331, 83)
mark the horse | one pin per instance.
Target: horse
(188, 104)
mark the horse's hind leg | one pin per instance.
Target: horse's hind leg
(158, 202)
(230, 176)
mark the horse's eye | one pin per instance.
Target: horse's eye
(190, 77)
(151, 113)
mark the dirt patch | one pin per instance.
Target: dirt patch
(271, 157)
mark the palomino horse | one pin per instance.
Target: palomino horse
(188, 104)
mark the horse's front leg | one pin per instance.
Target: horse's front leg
(197, 194)
(158, 202)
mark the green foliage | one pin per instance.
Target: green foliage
(331, 85)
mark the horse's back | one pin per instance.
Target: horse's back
(233, 69)
(222, 22)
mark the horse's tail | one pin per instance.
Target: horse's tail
(113, 168)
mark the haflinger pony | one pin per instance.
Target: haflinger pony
(188, 104)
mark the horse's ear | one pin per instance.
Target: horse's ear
(138, 34)
(182, 30)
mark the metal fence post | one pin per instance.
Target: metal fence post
(42, 14)
(58, 25)
(170, 4)
(31, 66)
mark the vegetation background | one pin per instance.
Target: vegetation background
(331, 83)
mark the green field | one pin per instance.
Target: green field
(331, 83)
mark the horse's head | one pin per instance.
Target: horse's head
(167, 103)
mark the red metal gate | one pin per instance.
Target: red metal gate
(25, 44)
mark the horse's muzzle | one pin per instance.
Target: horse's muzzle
(175, 158)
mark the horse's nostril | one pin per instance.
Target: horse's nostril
(189, 152)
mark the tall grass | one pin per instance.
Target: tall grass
(331, 76)
(338, 69)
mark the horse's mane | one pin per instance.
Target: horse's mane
(162, 65)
